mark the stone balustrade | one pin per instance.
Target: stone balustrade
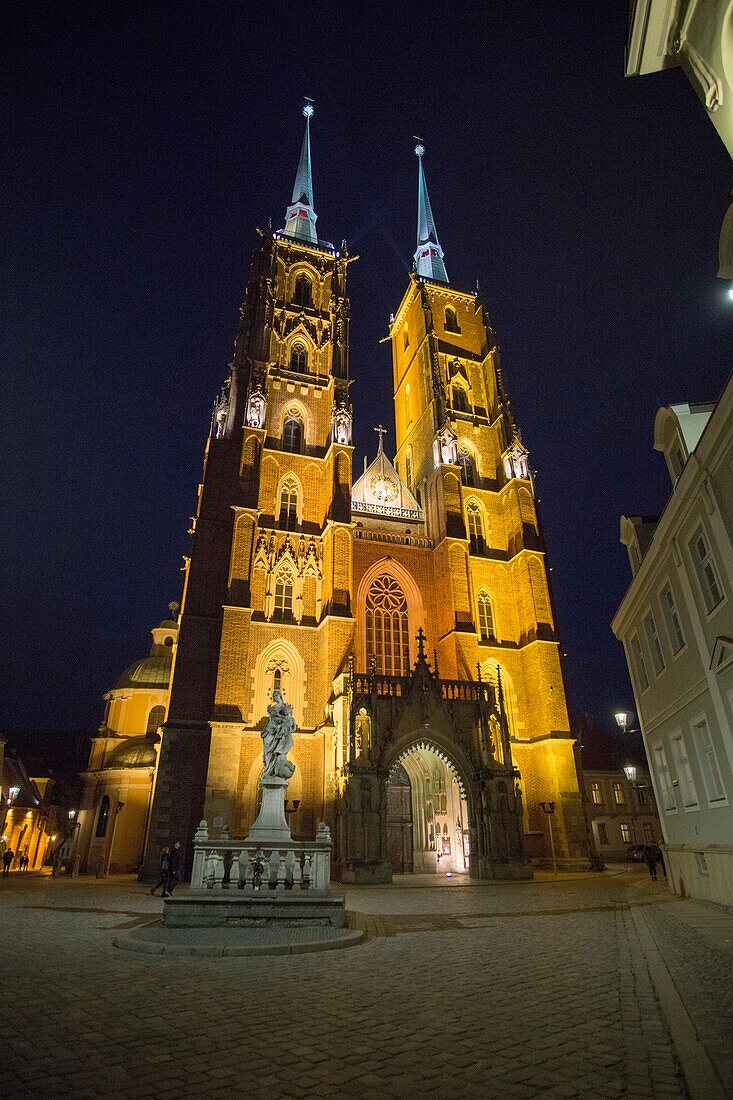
(227, 864)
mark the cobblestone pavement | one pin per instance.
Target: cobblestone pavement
(514, 990)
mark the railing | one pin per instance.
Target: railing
(386, 536)
(226, 864)
(470, 691)
(384, 510)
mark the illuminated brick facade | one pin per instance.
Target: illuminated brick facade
(300, 580)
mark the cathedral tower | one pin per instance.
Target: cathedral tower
(407, 619)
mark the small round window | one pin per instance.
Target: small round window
(168, 640)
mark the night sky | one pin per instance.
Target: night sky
(144, 143)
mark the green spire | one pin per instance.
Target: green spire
(429, 254)
(300, 218)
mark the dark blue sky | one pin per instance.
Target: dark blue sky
(144, 143)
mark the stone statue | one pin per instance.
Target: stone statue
(277, 738)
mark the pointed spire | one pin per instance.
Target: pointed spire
(300, 218)
(429, 254)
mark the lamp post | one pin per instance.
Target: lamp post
(622, 721)
(549, 809)
(630, 773)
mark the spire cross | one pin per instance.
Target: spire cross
(380, 432)
(420, 638)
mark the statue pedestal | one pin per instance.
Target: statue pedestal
(271, 827)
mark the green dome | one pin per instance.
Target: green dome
(150, 672)
(167, 624)
(137, 752)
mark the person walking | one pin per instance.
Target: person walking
(651, 859)
(165, 862)
(8, 855)
(174, 867)
(659, 856)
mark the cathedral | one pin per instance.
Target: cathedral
(406, 615)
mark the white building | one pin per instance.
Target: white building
(696, 35)
(676, 625)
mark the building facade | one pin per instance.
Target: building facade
(406, 617)
(119, 778)
(696, 35)
(622, 811)
(676, 624)
(24, 811)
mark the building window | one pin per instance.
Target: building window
(684, 772)
(642, 795)
(707, 573)
(708, 762)
(299, 358)
(408, 467)
(619, 795)
(475, 529)
(459, 399)
(625, 833)
(156, 718)
(387, 629)
(486, 617)
(303, 291)
(638, 662)
(648, 832)
(652, 637)
(666, 789)
(408, 406)
(293, 435)
(677, 460)
(672, 619)
(277, 680)
(596, 794)
(451, 320)
(284, 596)
(103, 817)
(602, 833)
(468, 470)
(288, 517)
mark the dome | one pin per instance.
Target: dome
(167, 624)
(150, 672)
(136, 752)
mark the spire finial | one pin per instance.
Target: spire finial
(300, 217)
(381, 432)
(429, 254)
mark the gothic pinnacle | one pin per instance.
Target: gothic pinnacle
(429, 254)
(300, 217)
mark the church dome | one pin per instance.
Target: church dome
(167, 624)
(136, 752)
(150, 672)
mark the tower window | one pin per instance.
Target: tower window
(284, 596)
(293, 435)
(405, 337)
(408, 406)
(299, 358)
(486, 617)
(103, 817)
(475, 529)
(277, 680)
(387, 630)
(288, 516)
(408, 467)
(303, 291)
(451, 320)
(468, 470)
(459, 399)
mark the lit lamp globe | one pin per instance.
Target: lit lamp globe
(630, 772)
(622, 720)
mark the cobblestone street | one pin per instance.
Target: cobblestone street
(508, 990)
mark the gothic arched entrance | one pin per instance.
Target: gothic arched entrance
(427, 814)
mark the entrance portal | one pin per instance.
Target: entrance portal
(427, 814)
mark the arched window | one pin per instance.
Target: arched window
(387, 629)
(293, 435)
(277, 680)
(468, 470)
(408, 406)
(284, 596)
(486, 617)
(288, 515)
(103, 817)
(459, 398)
(405, 337)
(155, 718)
(303, 291)
(451, 321)
(299, 358)
(475, 528)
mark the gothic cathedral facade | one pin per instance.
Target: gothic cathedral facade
(406, 616)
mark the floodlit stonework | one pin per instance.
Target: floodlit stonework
(406, 618)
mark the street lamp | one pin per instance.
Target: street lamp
(549, 809)
(630, 772)
(622, 720)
